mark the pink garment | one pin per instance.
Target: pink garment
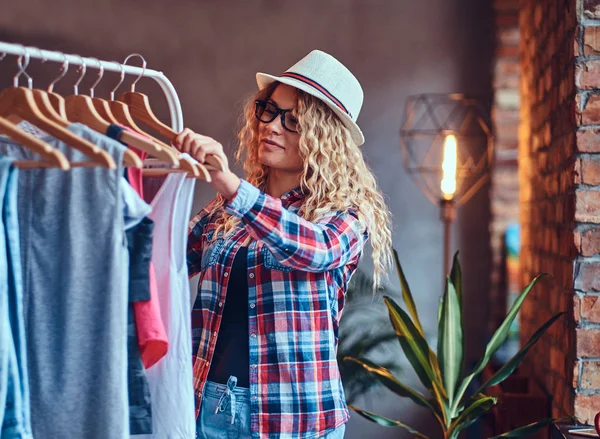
(152, 337)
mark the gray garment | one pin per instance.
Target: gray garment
(74, 257)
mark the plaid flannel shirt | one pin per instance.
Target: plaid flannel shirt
(297, 276)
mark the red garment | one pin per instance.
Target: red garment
(152, 337)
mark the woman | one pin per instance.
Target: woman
(275, 253)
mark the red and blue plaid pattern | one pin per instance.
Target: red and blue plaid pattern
(297, 276)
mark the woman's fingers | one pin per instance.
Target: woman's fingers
(198, 146)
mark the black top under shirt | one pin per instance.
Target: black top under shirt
(232, 352)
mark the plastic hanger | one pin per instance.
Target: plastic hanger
(81, 109)
(139, 107)
(19, 103)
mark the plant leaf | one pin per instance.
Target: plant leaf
(510, 366)
(413, 344)
(386, 422)
(391, 382)
(497, 340)
(456, 278)
(526, 430)
(407, 295)
(471, 413)
(450, 340)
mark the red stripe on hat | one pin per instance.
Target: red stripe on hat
(319, 87)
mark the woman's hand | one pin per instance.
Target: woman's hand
(199, 146)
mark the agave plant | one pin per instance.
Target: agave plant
(441, 371)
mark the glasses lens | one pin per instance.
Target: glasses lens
(290, 122)
(265, 111)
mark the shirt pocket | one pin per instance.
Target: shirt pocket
(212, 250)
(271, 263)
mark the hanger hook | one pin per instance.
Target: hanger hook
(83, 69)
(143, 69)
(2, 56)
(100, 75)
(22, 68)
(64, 69)
(112, 93)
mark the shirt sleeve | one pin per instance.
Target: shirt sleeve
(194, 243)
(332, 242)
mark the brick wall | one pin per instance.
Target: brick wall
(504, 194)
(560, 195)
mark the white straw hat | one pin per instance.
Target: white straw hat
(321, 75)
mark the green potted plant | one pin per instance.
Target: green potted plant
(365, 332)
(441, 372)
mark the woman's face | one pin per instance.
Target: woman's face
(278, 146)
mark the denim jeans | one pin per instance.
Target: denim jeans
(225, 413)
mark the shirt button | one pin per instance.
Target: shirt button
(220, 304)
(252, 305)
(253, 335)
(253, 366)
(225, 274)
(251, 275)
(214, 334)
(253, 398)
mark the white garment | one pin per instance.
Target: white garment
(171, 379)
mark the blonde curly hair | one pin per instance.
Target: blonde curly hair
(335, 175)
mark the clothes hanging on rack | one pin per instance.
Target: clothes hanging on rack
(171, 383)
(14, 385)
(151, 335)
(88, 286)
(74, 261)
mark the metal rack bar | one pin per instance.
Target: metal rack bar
(110, 66)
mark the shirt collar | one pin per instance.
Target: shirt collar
(293, 195)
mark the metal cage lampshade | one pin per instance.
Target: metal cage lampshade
(447, 149)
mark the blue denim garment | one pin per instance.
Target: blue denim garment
(225, 412)
(17, 419)
(6, 342)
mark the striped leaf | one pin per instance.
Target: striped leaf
(526, 430)
(407, 295)
(456, 278)
(510, 366)
(471, 413)
(413, 344)
(386, 422)
(496, 341)
(386, 378)
(450, 340)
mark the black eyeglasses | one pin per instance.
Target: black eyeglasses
(267, 112)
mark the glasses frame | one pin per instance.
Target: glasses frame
(261, 103)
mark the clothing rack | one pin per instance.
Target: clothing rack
(111, 66)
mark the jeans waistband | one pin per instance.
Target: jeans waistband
(242, 392)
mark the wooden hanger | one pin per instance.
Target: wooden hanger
(122, 112)
(53, 158)
(19, 103)
(81, 109)
(139, 106)
(45, 105)
(57, 101)
(147, 145)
